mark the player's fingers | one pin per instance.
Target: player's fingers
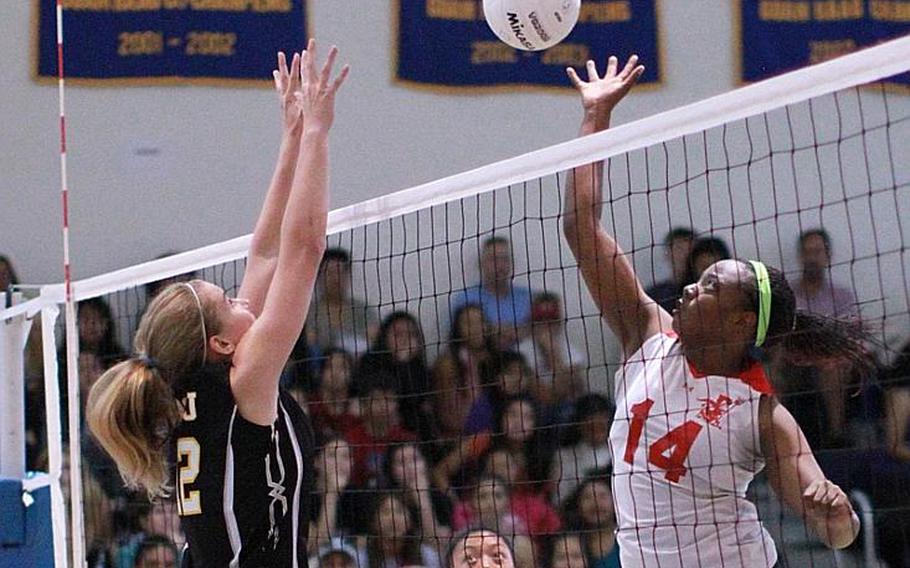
(819, 495)
(630, 66)
(304, 63)
(592, 70)
(573, 77)
(278, 83)
(339, 80)
(327, 66)
(612, 62)
(311, 61)
(295, 70)
(282, 63)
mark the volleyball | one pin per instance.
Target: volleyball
(531, 25)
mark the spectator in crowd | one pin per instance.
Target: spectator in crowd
(156, 551)
(336, 554)
(98, 351)
(398, 354)
(458, 372)
(678, 245)
(815, 292)
(379, 427)
(394, 539)
(152, 520)
(8, 277)
(330, 406)
(407, 473)
(334, 464)
(488, 503)
(506, 375)
(589, 512)
(888, 481)
(480, 548)
(517, 455)
(587, 447)
(35, 417)
(552, 358)
(567, 551)
(506, 306)
(336, 319)
(705, 252)
(817, 396)
(897, 406)
(513, 431)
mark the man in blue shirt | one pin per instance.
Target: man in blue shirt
(505, 306)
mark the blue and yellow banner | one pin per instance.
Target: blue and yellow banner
(153, 41)
(448, 43)
(782, 35)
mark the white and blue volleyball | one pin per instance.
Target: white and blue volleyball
(531, 25)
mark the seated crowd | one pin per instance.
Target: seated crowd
(506, 427)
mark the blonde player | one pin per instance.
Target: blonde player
(202, 397)
(696, 417)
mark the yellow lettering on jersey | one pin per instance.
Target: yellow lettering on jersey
(890, 10)
(189, 407)
(189, 502)
(783, 11)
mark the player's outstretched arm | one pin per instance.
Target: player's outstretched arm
(798, 480)
(263, 255)
(263, 350)
(631, 315)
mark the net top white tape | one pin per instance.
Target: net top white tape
(865, 66)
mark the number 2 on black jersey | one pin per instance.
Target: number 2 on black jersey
(189, 501)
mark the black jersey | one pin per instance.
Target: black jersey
(243, 490)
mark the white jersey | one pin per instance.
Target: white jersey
(685, 448)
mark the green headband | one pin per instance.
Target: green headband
(764, 301)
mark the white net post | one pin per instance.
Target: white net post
(49, 315)
(13, 335)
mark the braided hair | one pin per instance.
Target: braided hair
(805, 338)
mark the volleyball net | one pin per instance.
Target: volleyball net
(452, 408)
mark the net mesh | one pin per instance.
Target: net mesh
(438, 407)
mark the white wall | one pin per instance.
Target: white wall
(212, 151)
(214, 147)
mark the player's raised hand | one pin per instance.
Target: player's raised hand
(287, 83)
(601, 94)
(316, 97)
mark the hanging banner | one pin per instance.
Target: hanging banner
(782, 35)
(176, 41)
(448, 43)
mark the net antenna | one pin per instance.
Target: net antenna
(72, 336)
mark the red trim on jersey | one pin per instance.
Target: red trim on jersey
(754, 375)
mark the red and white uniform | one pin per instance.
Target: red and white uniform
(685, 448)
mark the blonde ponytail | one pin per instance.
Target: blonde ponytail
(131, 411)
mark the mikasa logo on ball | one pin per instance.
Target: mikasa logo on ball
(531, 25)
